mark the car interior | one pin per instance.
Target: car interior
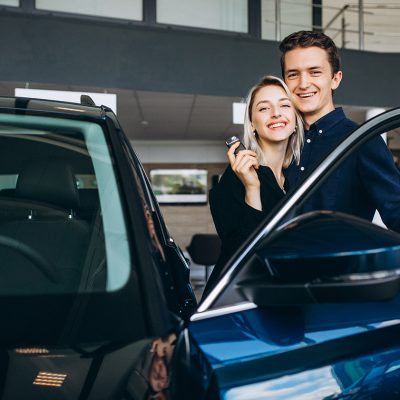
(47, 213)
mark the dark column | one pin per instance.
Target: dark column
(317, 15)
(254, 18)
(149, 12)
(26, 6)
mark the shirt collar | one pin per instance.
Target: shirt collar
(328, 121)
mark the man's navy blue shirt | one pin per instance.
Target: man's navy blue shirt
(367, 180)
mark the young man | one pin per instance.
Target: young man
(368, 179)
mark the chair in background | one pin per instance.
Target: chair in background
(204, 249)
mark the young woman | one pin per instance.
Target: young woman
(254, 181)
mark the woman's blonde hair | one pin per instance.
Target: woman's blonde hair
(250, 137)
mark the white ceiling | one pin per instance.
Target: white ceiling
(173, 116)
(159, 116)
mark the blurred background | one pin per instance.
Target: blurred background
(174, 68)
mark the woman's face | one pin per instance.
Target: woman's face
(272, 114)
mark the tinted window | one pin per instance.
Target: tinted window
(61, 220)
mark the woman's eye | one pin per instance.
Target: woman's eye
(263, 109)
(286, 105)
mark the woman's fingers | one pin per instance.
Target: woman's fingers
(236, 159)
(231, 153)
(245, 162)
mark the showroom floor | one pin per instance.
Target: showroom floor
(197, 276)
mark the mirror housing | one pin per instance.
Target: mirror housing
(326, 257)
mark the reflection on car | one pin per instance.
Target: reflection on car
(96, 297)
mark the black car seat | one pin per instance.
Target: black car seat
(44, 249)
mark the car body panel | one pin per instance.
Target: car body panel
(262, 344)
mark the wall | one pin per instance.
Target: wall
(50, 49)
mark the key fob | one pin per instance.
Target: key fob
(234, 139)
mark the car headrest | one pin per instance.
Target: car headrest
(49, 181)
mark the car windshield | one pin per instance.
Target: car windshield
(61, 219)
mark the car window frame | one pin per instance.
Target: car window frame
(278, 217)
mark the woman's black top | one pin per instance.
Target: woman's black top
(233, 218)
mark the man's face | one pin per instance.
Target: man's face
(309, 76)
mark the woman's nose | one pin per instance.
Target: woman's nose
(276, 112)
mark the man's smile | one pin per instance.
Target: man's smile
(306, 95)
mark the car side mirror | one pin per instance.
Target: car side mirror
(325, 257)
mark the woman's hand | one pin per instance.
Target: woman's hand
(244, 165)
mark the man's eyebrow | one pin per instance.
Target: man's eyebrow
(309, 68)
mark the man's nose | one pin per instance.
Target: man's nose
(304, 81)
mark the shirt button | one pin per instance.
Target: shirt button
(308, 140)
(301, 168)
(320, 131)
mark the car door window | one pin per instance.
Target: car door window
(345, 157)
(62, 226)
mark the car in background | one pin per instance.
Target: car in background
(95, 296)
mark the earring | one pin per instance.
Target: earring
(254, 133)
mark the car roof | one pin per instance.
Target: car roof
(52, 106)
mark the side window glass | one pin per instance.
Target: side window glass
(365, 181)
(62, 226)
(314, 231)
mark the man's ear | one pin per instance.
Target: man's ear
(336, 79)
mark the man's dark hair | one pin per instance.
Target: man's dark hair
(304, 39)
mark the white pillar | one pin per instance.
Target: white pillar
(373, 112)
(370, 114)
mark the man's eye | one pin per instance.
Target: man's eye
(291, 75)
(315, 73)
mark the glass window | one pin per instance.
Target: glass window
(124, 9)
(294, 16)
(8, 181)
(11, 3)
(86, 181)
(61, 220)
(226, 15)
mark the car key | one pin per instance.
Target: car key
(234, 139)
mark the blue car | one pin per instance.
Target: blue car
(95, 296)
